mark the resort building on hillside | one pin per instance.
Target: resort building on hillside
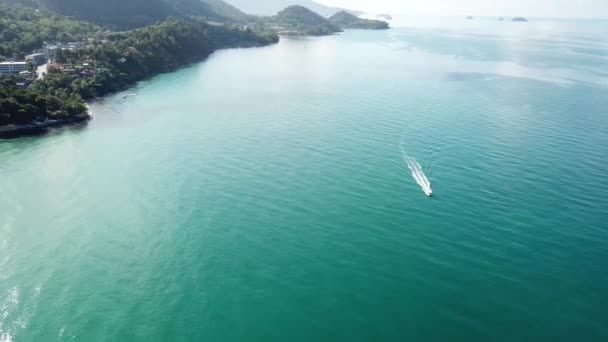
(36, 58)
(12, 67)
(51, 49)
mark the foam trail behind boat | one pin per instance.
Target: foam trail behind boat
(419, 175)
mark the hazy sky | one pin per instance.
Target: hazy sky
(538, 8)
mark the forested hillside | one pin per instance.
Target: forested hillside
(153, 49)
(136, 13)
(300, 20)
(346, 20)
(104, 68)
(23, 31)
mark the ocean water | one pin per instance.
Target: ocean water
(264, 195)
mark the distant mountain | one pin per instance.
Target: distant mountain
(520, 19)
(136, 13)
(346, 20)
(298, 20)
(272, 7)
(226, 10)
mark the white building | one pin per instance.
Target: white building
(12, 67)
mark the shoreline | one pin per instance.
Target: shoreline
(40, 128)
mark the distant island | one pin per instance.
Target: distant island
(520, 19)
(300, 21)
(272, 7)
(347, 21)
(384, 16)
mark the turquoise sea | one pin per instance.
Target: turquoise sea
(263, 195)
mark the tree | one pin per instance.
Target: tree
(60, 56)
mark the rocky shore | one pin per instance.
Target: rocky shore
(35, 128)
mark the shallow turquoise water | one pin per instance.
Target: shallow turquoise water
(262, 195)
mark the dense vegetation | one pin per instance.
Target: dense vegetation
(22, 30)
(302, 21)
(345, 20)
(46, 100)
(114, 65)
(151, 50)
(136, 13)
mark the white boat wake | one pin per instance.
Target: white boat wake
(419, 175)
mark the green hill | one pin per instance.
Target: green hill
(298, 20)
(272, 7)
(136, 13)
(23, 31)
(345, 20)
(226, 10)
